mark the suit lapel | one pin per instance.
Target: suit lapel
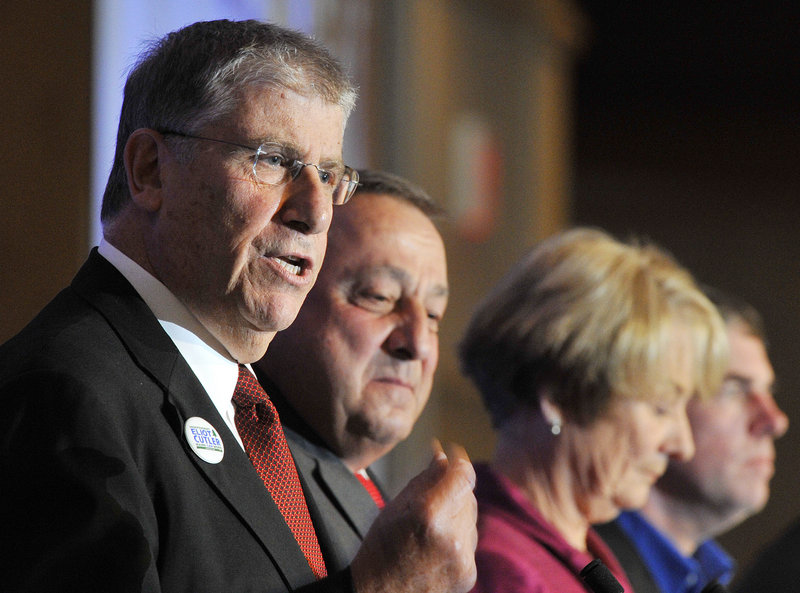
(340, 507)
(330, 476)
(318, 464)
(234, 478)
(355, 502)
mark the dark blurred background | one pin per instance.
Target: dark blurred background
(688, 133)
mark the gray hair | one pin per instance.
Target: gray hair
(196, 75)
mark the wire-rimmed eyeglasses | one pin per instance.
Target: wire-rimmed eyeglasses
(271, 167)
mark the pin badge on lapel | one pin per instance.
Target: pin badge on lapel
(204, 440)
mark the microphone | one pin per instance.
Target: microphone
(714, 587)
(601, 580)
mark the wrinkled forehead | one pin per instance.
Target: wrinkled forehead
(305, 123)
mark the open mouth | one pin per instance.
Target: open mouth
(293, 265)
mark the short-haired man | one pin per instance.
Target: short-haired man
(355, 369)
(668, 546)
(137, 451)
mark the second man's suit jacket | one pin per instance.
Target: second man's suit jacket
(341, 508)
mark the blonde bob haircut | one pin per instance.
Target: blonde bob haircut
(586, 318)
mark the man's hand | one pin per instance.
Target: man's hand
(424, 540)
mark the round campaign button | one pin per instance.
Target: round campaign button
(204, 440)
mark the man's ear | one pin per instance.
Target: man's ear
(143, 168)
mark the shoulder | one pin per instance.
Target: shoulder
(68, 364)
(69, 381)
(507, 546)
(517, 567)
(499, 570)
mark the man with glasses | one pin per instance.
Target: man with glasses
(138, 452)
(668, 546)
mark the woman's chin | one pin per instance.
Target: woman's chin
(631, 499)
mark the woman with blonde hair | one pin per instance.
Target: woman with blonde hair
(585, 355)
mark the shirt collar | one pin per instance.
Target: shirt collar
(672, 570)
(164, 305)
(206, 356)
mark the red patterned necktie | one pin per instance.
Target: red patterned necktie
(260, 430)
(370, 486)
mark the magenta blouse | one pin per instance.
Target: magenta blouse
(520, 552)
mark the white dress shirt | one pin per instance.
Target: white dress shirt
(214, 367)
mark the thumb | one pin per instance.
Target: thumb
(459, 474)
(437, 468)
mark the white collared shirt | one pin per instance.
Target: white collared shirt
(216, 370)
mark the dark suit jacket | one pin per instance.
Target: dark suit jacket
(100, 490)
(341, 508)
(635, 568)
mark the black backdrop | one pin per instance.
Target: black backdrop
(688, 133)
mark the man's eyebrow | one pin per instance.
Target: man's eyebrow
(330, 164)
(292, 151)
(287, 148)
(395, 273)
(440, 290)
(403, 277)
(747, 382)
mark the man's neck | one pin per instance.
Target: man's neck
(687, 525)
(236, 343)
(361, 457)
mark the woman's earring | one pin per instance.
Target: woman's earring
(552, 415)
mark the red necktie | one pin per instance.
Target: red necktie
(262, 435)
(371, 488)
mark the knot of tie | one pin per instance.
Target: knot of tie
(250, 396)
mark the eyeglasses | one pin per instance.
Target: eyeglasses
(271, 167)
